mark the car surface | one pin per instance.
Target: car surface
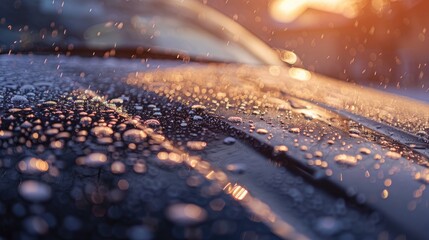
(164, 120)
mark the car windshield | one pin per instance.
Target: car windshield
(173, 27)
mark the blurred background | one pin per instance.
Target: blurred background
(380, 43)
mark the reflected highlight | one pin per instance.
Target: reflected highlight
(299, 74)
(175, 155)
(289, 10)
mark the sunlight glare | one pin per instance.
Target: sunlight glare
(289, 10)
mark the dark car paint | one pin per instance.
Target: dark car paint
(298, 193)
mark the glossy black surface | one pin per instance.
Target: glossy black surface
(250, 160)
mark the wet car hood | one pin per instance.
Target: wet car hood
(307, 156)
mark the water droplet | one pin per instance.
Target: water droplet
(364, 150)
(35, 191)
(262, 131)
(15, 110)
(318, 154)
(51, 131)
(95, 159)
(295, 130)
(19, 100)
(354, 131)
(196, 145)
(235, 119)
(153, 123)
(280, 149)
(229, 140)
(197, 118)
(101, 131)
(49, 103)
(297, 105)
(139, 167)
(85, 121)
(256, 112)
(198, 107)
(384, 194)
(236, 168)
(346, 159)
(393, 155)
(26, 124)
(186, 214)
(117, 167)
(5, 134)
(33, 165)
(422, 176)
(134, 136)
(117, 101)
(422, 134)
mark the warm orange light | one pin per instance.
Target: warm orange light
(299, 74)
(42, 165)
(289, 10)
(162, 156)
(288, 57)
(33, 165)
(237, 192)
(379, 5)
